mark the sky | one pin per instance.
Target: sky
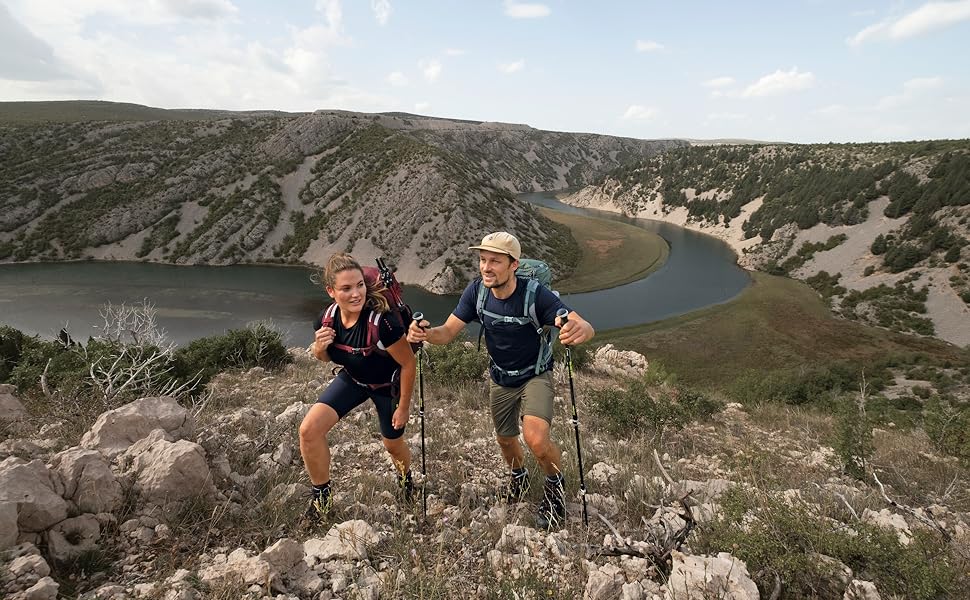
(795, 70)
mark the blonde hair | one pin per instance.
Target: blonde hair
(342, 261)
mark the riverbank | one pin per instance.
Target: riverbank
(776, 324)
(613, 253)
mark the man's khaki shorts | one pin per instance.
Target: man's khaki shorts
(533, 398)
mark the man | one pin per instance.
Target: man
(521, 382)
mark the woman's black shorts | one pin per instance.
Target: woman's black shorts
(344, 394)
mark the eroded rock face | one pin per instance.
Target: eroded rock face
(619, 363)
(347, 540)
(117, 429)
(35, 491)
(88, 480)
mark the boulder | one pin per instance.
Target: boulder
(71, 538)
(169, 472)
(45, 589)
(619, 363)
(602, 473)
(604, 583)
(117, 429)
(721, 576)
(8, 525)
(861, 590)
(889, 520)
(348, 540)
(88, 480)
(36, 492)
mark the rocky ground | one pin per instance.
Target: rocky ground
(157, 499)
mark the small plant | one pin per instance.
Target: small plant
(853, 441)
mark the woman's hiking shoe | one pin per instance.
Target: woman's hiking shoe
(320, 504)
(406, 487)
(518, 486)
(552, 509)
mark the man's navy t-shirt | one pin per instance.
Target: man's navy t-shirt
(512, 347)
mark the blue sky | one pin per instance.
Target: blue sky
(801, 71)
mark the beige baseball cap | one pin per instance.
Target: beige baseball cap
(502, 242)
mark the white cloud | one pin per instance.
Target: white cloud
(512, 67)
(422, 107)
(648, 46)
(719, 82)
(430, 69)
(454, 52)
(913, 90)
(382, 10)
(831, 110)
(205, 10)
(780, 82)
(26, 57)
(518, 10)
(640, 113)
(929, 17)
(333, 12)
(726, 116)
(397, 78)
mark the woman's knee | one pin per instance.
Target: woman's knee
(315, 425)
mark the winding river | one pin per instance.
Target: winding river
(197, 301)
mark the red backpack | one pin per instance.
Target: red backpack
(399, 314)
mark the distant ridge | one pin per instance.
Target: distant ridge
(73, 111)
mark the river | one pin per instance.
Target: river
(196, 301)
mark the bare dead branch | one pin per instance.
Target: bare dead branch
(911, 511)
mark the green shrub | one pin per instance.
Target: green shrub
(853, 437)
(774, 536)
(67, 372)
(455, 363)
(11, 347)
(643, 405)
(258, 345)
(948, 427)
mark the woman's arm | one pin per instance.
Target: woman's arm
(401, 352)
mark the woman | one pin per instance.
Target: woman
(384, 376)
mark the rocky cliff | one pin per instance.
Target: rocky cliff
(224, 188)
(881, 230)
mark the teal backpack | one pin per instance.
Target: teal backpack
(536, 273)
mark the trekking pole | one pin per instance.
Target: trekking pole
(418, 317)
(563, 315)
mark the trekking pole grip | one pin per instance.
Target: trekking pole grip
(563, 315)
(418, 317)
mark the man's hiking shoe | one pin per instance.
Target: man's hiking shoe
(552, 509)
(320, 505)
(406, 486)
(518, 486)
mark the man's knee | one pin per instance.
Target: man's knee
(537, 438)
(507, 442)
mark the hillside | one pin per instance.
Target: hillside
(881, 230)
(221, 188)
(689, 497)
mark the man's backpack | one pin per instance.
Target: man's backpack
(399, 314)
(536, 273)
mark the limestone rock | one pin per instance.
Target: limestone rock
(8, 525)
(889, 520)
(71, 538)
(35, 491)
(117, 429)
(602, 473)
(861, 590)
(619, 363)
(348, 540)
(45, 589)
(721, 576)
(88, 480)
(172, 471)
(604, 583)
